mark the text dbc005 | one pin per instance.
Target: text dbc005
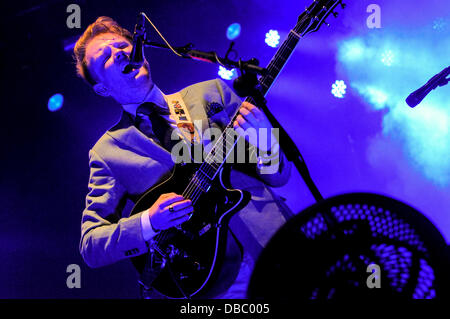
(246, 308)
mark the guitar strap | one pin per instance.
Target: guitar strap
(179, 112)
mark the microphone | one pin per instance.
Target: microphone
(137, 52)
(438, 80)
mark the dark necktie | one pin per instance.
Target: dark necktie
(150, 122)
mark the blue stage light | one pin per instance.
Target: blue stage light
(233, 31)
(272, 38)
(226, 74)
(55, 102)
(440, 24)
(338, 89)
(387, 57)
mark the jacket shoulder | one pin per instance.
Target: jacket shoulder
(103, 144)
(107, 139)
(207, 86)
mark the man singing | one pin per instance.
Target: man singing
(133, 156)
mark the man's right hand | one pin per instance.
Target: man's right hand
(162, 217)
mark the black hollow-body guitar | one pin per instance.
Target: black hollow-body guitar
(183, 261)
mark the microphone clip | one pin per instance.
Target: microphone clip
(139, 28)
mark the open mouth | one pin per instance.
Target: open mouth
(130, 71)
(127, 69)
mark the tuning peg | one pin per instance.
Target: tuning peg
(326, 23)
(335, 14)
(343, 5)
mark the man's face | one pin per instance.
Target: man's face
(107, 55)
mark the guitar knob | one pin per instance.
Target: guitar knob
(336, 14)
(343, 5)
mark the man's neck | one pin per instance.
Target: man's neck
(154, 95)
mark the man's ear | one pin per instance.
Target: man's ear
(101, 89)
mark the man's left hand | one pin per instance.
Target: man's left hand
(250, 117)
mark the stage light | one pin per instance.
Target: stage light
(338, 89)
(272, 38)
(233, 31)
(387, 57)
(440, 24)
(55, 102)
(226, 74)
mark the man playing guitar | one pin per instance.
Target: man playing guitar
(129, 159)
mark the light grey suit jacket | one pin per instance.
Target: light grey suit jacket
(124, 163)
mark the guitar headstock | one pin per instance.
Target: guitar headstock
(314, 16)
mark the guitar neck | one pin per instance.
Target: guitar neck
(278, 62)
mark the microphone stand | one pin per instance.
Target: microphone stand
(247, 85)
(188, 52)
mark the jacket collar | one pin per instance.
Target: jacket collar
(126, 133)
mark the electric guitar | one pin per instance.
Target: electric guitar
(183, 261)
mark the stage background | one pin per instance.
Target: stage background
(370, 140)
